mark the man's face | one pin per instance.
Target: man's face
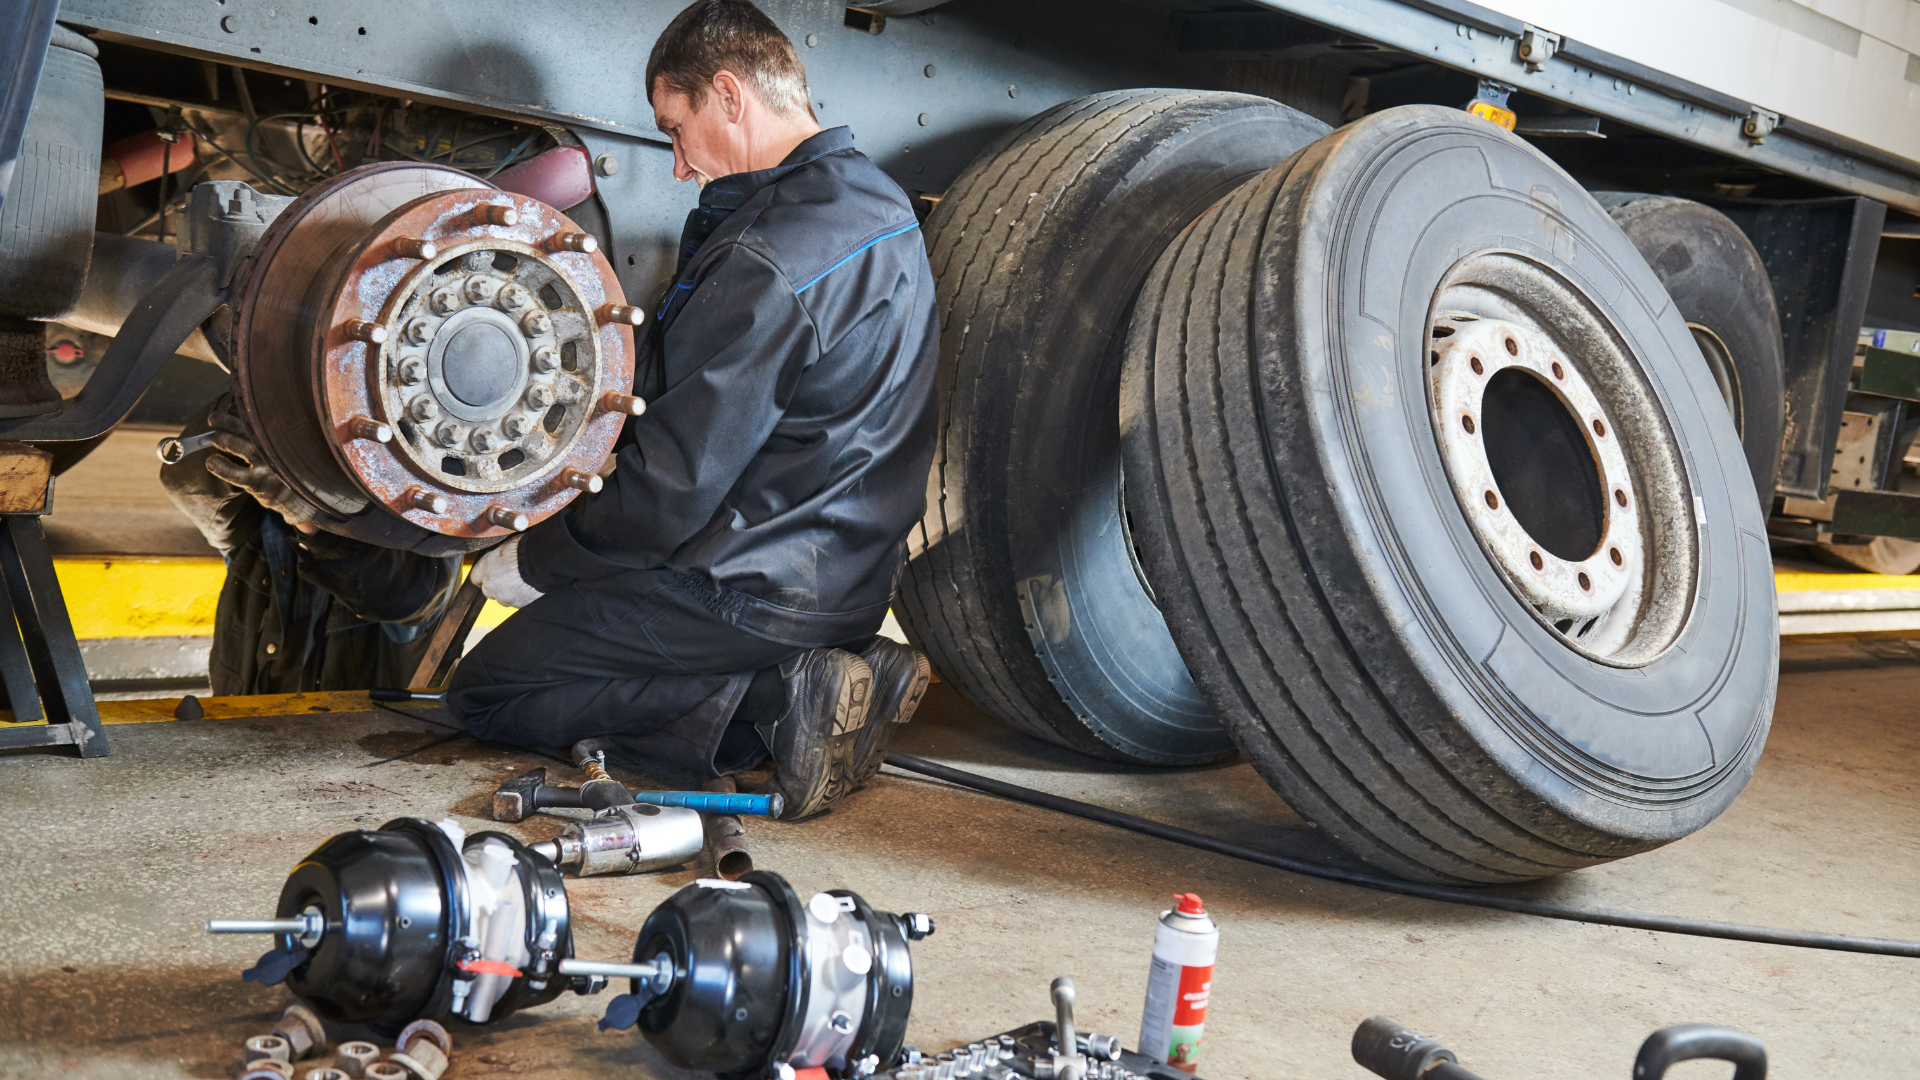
(700, 136)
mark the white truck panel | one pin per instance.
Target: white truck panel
(1849, 66)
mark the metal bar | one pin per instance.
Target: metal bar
(1877, 513)
(1891, 374)
(184, 297)
(16, 671)
(1594, 81)
(51, 647)
(449, 636)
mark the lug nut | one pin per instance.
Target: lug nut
(410, 371)
(539, 396)
(621, 314)
(362, 330)
(417, 331)
(325, 1072)
(431, 501)
(495, 214)
(574, 241)
(445, 301)
(352, 1058)
(516, 425)
(266, 1069)
(507, 519)
(481, 440)
(583, 480)
(361, 427)
(614, 401)
(535, 323)
(267, 1047)
(481, 287)
(423, 409)
(447, 435)
(545, 359)
(414, 247)
(385, 1070)
(515, 297)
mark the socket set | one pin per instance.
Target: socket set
(1029, 1053)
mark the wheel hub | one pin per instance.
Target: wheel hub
(456, 355)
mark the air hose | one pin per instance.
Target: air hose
(1671, 924)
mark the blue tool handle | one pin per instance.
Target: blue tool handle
(708, 802)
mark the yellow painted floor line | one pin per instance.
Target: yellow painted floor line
(158, 710)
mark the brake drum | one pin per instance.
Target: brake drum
(418, 353)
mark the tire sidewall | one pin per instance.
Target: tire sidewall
(1398, 200)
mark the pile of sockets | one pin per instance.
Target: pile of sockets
(420, 1053)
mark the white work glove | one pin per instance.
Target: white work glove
(498, 575)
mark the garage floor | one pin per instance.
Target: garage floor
(113, 864)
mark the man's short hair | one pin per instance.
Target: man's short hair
(731, 35)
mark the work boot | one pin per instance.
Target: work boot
(814, 741)
(900, 677)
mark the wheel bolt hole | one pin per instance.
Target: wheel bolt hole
(1538, 562)
(1474, 362)
(1620, 496)
(1467, 422)
(1558, 372)
(1618, 559)
(1586, 583)
(1493, 503)
(1436, 359)
(1513, 347)
(1442, 331)
(1599, 428)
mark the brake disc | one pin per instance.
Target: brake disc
(410, 344)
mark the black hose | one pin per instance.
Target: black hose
(1672, 924)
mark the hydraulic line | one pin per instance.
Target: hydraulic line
(1672, 924)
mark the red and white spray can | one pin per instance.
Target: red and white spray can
(1184, 945)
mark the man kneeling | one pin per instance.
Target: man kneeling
(720, 599)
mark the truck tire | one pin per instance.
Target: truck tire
(1396, 662)
(1716, 279)
(1021, 586)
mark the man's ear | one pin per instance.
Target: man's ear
(732, 95)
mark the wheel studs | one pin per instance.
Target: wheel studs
(574, 241)
(621, 314)
(615, 402)
(414, 247)
(582, 480)
(370, 332)
(364, 428)
(507, 519)
(495, 214)
(431, 501)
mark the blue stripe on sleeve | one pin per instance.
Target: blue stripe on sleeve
(849, 258)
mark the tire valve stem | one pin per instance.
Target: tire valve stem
(495, 214)
(621, 314)
(361, 427)
(431, 501)
(507, 519)
(370, 332)
(414, 247)
(574, 241)
(615, 402)
(583, 480)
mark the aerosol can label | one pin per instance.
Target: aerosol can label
(1179, 984)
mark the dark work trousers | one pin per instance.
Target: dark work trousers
(638, 658)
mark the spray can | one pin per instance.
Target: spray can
(1184, 945)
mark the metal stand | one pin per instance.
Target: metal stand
(40, 661)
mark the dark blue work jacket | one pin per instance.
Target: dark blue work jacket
(789, 378)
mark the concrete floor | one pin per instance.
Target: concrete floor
(113, 864)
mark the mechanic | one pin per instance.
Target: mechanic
(720, 599)
(302, 609)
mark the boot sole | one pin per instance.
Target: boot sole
(834, 761)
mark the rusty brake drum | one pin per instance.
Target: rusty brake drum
(435, 361)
